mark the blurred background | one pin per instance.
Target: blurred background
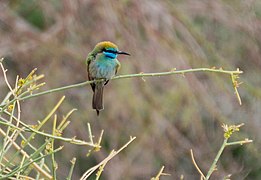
(169, 115)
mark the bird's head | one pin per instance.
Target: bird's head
(109, 49)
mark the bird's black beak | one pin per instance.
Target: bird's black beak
(121, 52)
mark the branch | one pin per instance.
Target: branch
(141, 75)
(105, 161)
(214, 164)
(160, 173)
(195, 164)
(239, 142)
(69, 177)
(69, 140)
(228, 131)
(36, 166)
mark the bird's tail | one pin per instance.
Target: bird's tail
(97, 99)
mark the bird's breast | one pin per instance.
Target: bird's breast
(103, 69)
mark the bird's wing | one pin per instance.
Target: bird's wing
(89, 59)
(118, 66)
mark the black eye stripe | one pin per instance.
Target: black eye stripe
(110, 51)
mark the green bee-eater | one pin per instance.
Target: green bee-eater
(102, 63)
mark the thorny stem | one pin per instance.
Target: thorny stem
(214, 164)
(174, 71)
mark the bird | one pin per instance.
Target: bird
(102, 64)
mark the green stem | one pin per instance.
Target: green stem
(29, 163)
(69, 177)
(54, 164)
(214, 164)
(44, 120)
(239, 142)
(178, 72)
(9, 125)
(70, 140)
(128, 76)
(41, 164)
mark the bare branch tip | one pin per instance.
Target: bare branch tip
(195, 164)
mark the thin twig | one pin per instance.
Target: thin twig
(69, 177)
(108, 158)
(36, 166)
(214, 164)
(70, 140)
(63, 123)
(160, 173)
(90, 132)
(54, 164)
(239, 142)
(235, 83)
(5, 78)
(31, 162)
(195, 164)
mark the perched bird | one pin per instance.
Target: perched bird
(102, 64)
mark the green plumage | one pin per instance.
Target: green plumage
(102, 64)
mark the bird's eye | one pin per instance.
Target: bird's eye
(109, 51)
